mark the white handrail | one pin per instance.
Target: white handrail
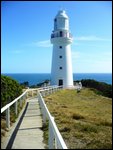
(11, 103)
(54, 132)
(53, 128)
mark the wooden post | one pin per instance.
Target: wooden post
(37, 93)
(16, 108)
(27, 94)
(21, 100)
(51, 137)
(43, 93)
(56, 144)
(8, 117)
(44, 115)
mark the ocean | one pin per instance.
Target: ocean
(35, 78)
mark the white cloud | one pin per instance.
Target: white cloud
(45, 43)
(90, 38)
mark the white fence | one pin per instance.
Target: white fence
(15, 102)
(55, 138)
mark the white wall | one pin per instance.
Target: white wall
(65, 62)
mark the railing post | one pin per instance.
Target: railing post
(43, 111)
(16, 108)
(48, 91)
(21, 100)
(56, 144)
(51, 90)
(44, 115)
(8, 117)
(51, 136)
(32, 93)
(37, 92)
(43, 93)
(27, 94)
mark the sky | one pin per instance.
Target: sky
(26, 27)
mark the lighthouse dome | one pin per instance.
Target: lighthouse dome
(61, 13)
(61, 21)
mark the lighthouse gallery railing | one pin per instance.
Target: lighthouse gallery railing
(55, 139)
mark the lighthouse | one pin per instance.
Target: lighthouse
(61, 38)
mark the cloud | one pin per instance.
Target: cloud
(90, 38)
(45, 43)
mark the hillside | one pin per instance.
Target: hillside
(84, 119)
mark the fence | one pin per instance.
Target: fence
(55, 138)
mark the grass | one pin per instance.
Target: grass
(84, 118)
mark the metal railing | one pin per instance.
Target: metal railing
(55, 138)
(64, 34)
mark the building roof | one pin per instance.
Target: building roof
(61, 13)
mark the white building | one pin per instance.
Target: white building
(61, 70)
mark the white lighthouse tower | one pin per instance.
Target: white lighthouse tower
(61, 70)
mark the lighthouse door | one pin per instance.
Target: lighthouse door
(60, 82)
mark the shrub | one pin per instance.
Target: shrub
(10, 89)
(102, 88)
(77, 116)
(89, 128)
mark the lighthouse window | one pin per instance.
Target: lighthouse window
(60, 56)
(55, 20)
(60, 33)
(60, 46)
(60, 68)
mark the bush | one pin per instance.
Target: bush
(77, 116)
(25, 84)
(102, 88)
(10, 89)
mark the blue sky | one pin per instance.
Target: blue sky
(26, 27)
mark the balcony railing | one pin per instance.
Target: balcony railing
(67, 35)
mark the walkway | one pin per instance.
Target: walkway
(28, 133)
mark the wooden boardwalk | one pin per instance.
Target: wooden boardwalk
(27, 133)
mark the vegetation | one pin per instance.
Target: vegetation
(25, 84)
(100, 87)
(10, 89)
(84, 119)
(44, 83)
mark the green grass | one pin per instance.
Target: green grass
(84, 118)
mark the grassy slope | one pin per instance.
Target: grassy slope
(84, 119)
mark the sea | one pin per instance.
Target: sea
(35, 78)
